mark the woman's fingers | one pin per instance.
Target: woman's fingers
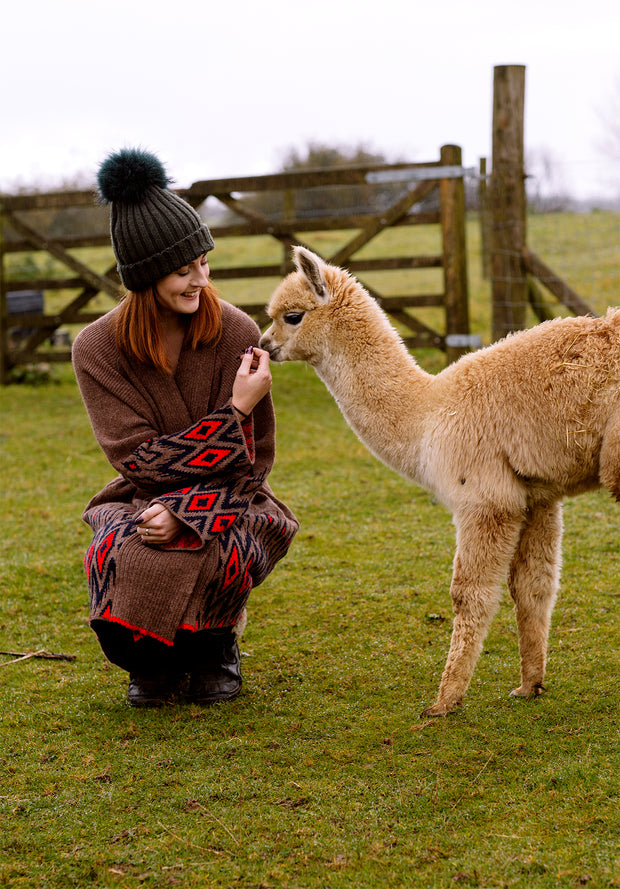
(253, 380)
(157, 525)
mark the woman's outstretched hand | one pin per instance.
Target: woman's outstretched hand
(253, 380)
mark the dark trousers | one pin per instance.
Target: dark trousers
(149, 657)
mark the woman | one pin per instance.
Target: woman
(178, 397)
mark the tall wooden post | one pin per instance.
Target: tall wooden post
(452, 201)
(508, 206)
(483, 213)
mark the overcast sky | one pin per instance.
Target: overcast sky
(225, 87)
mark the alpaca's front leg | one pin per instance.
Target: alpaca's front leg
(485, 546)
(533, 583)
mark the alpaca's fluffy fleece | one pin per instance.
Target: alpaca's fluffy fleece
(501, 436)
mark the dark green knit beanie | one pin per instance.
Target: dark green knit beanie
(154, 231)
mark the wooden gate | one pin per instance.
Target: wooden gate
(361, 203)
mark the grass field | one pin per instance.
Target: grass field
(321, 774)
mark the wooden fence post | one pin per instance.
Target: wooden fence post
(508, 206)
(452, 201)
(483, 213)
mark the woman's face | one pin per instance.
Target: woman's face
(179, 292)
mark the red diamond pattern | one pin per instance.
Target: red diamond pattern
(204, 429)
(104, 549)
(232, 567)
(202, 502)
(221, 523)
(210, 457)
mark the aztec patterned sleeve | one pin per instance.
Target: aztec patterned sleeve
(215, 446)
(211, 462)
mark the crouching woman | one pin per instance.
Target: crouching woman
(178, 395)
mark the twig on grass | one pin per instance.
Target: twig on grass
(418, 728)
(41, 653)
(439, 762)
(189, 843)
(217, 820)
(177, 837)
(491, 757)
(396, 778)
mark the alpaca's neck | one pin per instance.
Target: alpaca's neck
(380, 390)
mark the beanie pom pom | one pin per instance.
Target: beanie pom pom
(128, 174)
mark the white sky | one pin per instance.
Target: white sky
(225, 87)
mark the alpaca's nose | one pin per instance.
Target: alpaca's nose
(265, 340)
(268, 345)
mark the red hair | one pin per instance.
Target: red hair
(139, 334)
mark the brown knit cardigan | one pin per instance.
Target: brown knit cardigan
(177, 440)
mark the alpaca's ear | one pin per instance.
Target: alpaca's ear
(311, 267)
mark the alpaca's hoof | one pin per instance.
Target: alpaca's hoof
(528, 691)
(439, 709)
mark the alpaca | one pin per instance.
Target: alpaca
(500, 437)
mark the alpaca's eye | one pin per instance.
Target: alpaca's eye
(293, 317)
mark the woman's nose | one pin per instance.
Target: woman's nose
(200, 276)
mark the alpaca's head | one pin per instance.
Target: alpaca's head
(305, 310)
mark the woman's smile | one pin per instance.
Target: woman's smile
(180, 291)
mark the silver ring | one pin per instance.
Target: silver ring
(146, 532)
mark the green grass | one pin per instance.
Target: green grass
(321, 774)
